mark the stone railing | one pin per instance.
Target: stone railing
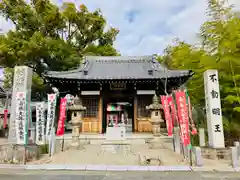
(15, 154)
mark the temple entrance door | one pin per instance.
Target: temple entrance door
(119, 110)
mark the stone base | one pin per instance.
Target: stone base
(75, 144)
(15, 154)
(116, 147)
(155, 143)
(216, 154)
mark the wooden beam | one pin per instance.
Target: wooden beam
(100, 114)
(135, 105)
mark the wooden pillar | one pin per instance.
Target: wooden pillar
(100, 114)
(135, 106)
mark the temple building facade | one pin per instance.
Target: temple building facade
(116, 89)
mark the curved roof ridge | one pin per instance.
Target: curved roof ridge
(79, 69)
(118, 58)
(119, 67)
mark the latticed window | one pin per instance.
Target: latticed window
(91, 103)
(143, 101)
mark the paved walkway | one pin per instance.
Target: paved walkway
(91, 154)
(3, 141)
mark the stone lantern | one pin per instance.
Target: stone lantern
(155, 120)
(76, 120)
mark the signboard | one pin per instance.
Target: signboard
(21, 117)
(117, 86)
(183, 117)
(50, 113)
(116, 133)
(213, 109)
(167, 114)
(62, 117)
(40, 124)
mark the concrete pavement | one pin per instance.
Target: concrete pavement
(114, 168)
(73, 175)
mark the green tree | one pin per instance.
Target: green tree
(220, 50)
(222, 34)
(47, 37)
(185, 56)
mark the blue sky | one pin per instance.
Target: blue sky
(148, 26)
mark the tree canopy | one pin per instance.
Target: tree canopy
(47, 37)
(219, 49)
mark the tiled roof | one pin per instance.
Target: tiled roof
(119, 67)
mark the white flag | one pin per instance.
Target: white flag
(50, 114)
(40, 124)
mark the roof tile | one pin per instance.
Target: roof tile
(119, 67)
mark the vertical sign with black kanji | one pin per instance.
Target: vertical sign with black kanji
(21, 118)
(22, 82)
(213, 109)
(50, 114)
(40, 124)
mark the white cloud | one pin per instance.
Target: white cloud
(156, 23)
(5, 26)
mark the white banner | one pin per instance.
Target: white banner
(50, 114)
(40, 124)
(213, 109)
(21, 118)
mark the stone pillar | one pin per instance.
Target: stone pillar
(198, 156)
(237, 145)
(202, 137)
(22, 82)
(33, 134)
(53, 142)
(234, 157)
(177, 140)
(75, 133)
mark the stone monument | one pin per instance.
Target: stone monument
(22, 82)
(76, 120)
(213, 109)
(155, 120)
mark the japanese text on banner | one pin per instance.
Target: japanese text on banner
(20, 121)
(51, 113)
(183, 117)
(40, 124)
(168, 117)
(62, 117)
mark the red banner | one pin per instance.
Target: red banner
(194, 130)
(62, 117)
(173, 109)
(183, 117)
(5, 118)
(167, 114)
